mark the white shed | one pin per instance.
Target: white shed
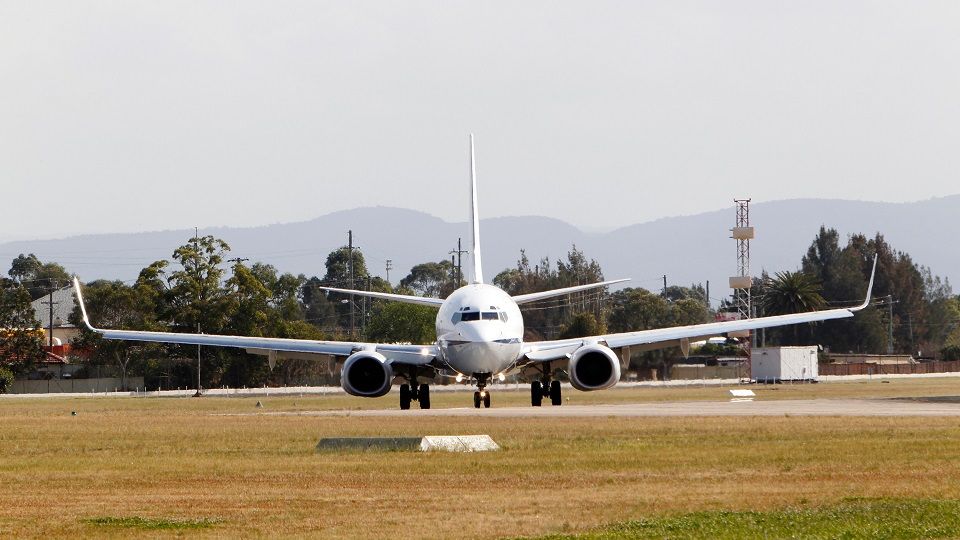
(775, 364)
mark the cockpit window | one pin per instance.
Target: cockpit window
(468, 316)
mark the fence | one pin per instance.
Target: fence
(59, 386)
(888, 369)
(688, 372)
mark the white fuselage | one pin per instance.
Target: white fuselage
(479, 330)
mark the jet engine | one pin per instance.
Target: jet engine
(366, 374)
(594, 367)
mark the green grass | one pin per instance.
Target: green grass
(151, 524)
(851, 519)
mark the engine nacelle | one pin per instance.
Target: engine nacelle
(366, 374)
(594, 367)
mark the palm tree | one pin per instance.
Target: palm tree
(792, 292)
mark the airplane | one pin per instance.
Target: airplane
(480, 339)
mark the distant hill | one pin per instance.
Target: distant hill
(688, 249)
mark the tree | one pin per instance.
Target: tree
(318, 310)
(39, 278)
(792, 292)
(430, 279)
(112, 304)
(338, 275)
(196, 295)
(582, 325)
(688, 311)
(637, 309)
(397, 322)
(6, 380)
(21, 340)
(547, 318)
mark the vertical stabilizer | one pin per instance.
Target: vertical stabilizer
(475, 218)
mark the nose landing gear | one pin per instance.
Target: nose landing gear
(481, 395)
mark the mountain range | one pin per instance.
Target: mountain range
(687, 249)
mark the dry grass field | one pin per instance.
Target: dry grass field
(177, 466)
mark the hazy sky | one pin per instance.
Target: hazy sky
(128, 116)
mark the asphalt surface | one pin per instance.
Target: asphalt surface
(799, 407)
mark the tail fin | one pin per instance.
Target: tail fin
(475, 219)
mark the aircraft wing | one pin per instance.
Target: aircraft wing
(404, 354)
(422, 300)
(533, 297)
(661, 338)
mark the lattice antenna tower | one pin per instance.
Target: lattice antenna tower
(741, 283)
(742, 232)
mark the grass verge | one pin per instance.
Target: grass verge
(851, 519)
(151, 524)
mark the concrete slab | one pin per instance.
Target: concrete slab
(433, 443)
(459, 443)
(369, 443)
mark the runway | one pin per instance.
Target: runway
(801, 407)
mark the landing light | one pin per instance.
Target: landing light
(459, 377)
(483, 393)
(502, 377)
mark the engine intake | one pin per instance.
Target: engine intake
(594, 367)
(366, 374)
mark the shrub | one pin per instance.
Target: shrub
(950, 353)
(6, 380)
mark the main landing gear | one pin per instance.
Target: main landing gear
(421, 394)
(544, 388)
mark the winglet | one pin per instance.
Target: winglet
(83, 308)
(873, 274)
(475, 218)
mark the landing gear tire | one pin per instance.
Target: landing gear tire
(555, 397)
(476, 400)
(424, 396)
(536, 394)
(486, 400)
(405, 396)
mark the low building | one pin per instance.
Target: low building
(778, 364)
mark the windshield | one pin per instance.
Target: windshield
(469, 316)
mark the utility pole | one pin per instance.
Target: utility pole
(458, 278)
(889, 324)
(365, 312)
(453, 271)
(664, 285)
(353, 315)
(196, 264)
(51, 303)
(389, 268)
(350, 269)
(708, 295)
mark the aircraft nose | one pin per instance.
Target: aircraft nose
(479, 332)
